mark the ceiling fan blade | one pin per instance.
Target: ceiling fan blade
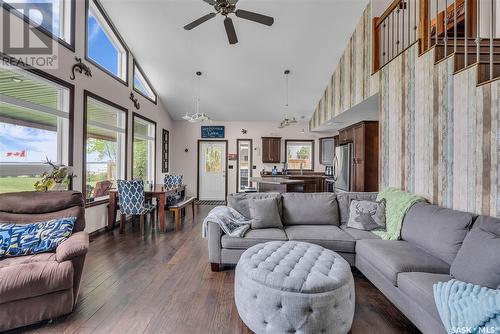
(231, 33)
(211, 2)
(259, 18)
(202, 19)
(232, 2)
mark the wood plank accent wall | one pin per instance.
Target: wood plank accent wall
(440, 134)
(351, 83)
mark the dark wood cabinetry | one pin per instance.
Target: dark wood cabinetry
(345, 136)
(271, 149)
(326, 150)
(312, 184)
(365, 156)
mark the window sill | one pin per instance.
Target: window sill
(96, 203)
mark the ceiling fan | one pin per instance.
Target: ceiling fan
(226, 7)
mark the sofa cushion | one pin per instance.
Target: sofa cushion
(264, 213)
(32, 279)
(392, 257)
(330, 237)
(15, 261)
(358, 234)
(239, 202)
(344, 202)
(419, 288)
(438, 230)
(253, 237)
(310, 209)
(367, 215)
(478, 261)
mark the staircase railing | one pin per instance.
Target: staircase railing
(467, 29)
(394, 31)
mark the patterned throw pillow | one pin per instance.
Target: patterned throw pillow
(172, 181)
(34, 238)
(367, 215)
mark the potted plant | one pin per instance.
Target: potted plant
(55, 180)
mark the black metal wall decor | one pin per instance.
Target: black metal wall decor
(244, 131)
(137, 105)
(80, 68)
(165, 151)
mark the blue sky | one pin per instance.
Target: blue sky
(38, 144)
(100, 48)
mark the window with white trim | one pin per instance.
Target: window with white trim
(143, 164)
(34, 126)
(105, 148)
(104, 47)
(141, 84)
(61, 24)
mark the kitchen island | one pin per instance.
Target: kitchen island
(278, 184)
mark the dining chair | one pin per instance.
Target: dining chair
(132, 202)
(172, 181)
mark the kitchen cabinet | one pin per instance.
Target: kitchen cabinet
(364, 137)
(346, 136)
(271, 149)
(326, 150)
(312, 184)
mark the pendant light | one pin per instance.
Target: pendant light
(287, 121)
(197, 117)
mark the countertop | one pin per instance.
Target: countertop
(274, 180)
(305, 176)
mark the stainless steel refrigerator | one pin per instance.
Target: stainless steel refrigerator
(343, 167)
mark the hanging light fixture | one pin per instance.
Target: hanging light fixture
(287, 121)
(198, 116)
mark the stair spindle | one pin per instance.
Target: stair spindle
(437, 22)
(445, 28)
(478, 32)
(466, 39)
(492, 24)
(455, 26)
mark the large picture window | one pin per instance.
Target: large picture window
(104, 47)
(300, 154)
(62, 12)
(105, 143)
(144, 150)
(35, 125)
(142, 85)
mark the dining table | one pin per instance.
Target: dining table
(158, 191)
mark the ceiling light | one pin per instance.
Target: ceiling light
(287, 121)
(197, 117)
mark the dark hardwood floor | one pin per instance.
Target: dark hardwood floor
(163, 284)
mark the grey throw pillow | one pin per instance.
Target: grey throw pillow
(478, 260)
(367, 215)
(264, 213)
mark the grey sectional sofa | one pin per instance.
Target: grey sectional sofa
(403, 270)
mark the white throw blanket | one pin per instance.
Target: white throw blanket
(229, 220)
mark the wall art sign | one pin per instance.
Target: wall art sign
(212, 132)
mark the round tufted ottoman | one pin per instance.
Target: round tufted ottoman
(294, 287)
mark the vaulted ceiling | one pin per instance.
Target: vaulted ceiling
(243, 82)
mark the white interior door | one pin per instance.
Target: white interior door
(212, 171)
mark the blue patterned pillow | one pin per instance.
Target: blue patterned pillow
(34, 238)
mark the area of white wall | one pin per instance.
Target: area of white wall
(107, 87)
(186, 136)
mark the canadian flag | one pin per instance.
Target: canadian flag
(19, 154)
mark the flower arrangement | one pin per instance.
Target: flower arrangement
(56, 179)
